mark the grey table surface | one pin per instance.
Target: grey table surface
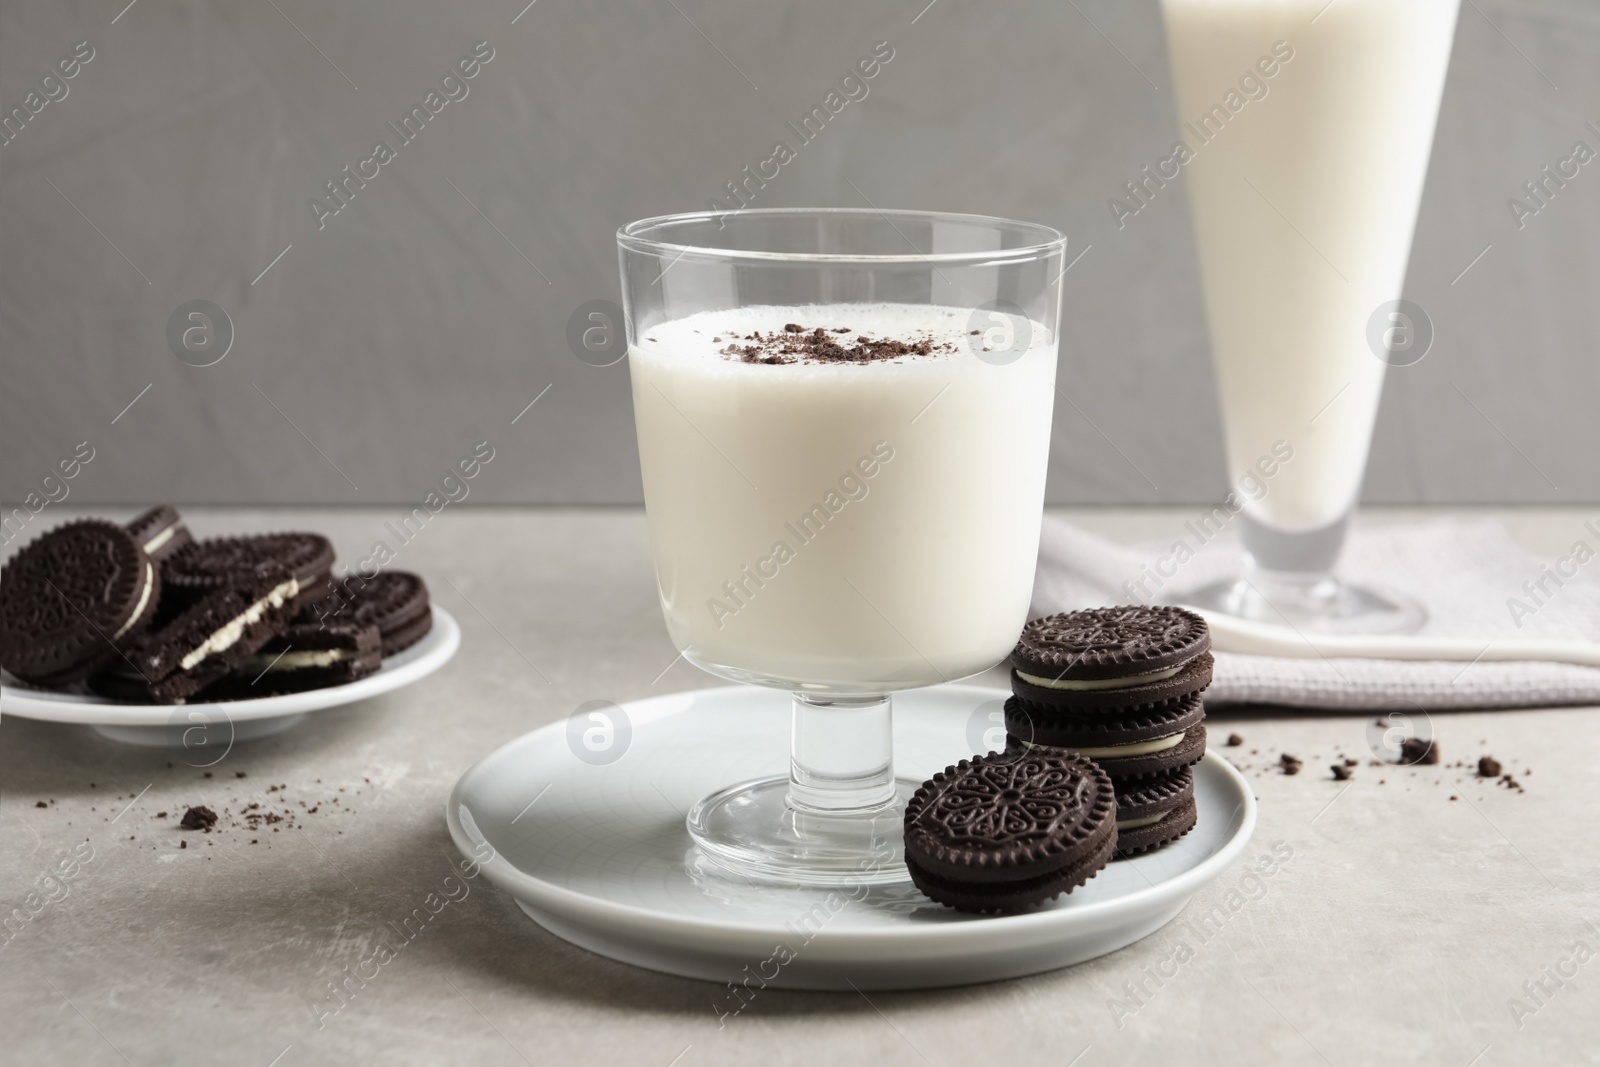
(1406, 926)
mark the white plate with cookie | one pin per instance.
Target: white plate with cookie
(191, 725)
(593, 847)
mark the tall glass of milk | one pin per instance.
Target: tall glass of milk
(844, 424)
(1306, 127)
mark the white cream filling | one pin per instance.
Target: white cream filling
(229, 635)
(1103, 683)
(1138, 748)
(160, 539)
(292, 660)
(144, 598)
(1146, 820)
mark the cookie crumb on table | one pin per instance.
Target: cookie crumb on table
(1419, 750)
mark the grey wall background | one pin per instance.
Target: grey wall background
(424, 317)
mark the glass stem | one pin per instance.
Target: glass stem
(841, 756)
(1308, 555)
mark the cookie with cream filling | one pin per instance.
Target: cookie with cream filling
(1010, 830)
(160, 532)
(306, 656)
(1154, 812)
(1109, 648)
(1136, 743)
(74, 600)
(204, 566)
(396, 602)
(208, 640)
(1133, 691)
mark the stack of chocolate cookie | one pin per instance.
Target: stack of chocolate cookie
(145, 613)
(1120, 686)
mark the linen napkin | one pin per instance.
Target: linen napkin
(1475, 581)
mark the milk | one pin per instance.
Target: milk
(850, 528)
(1304, 205)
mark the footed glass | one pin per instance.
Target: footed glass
(1305, 132)
(844, 423)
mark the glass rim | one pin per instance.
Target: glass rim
(1049, 241)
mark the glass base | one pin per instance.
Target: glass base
(1313, 604)
(753, 831)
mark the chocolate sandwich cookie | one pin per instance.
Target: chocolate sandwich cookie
(160, 532)
(1010, 830)
(207, 641)
(1190, 679)
(1081, 652)
(73, 600)
(396, 602)
(1133, 743)
(306, 656)
(204, 566)
(1155, 812)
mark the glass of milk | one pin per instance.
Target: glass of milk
(844, 423)
(1305, 132)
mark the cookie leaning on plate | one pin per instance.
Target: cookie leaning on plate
(73, 600)
(209, 639)
(306, 656)
(204, 566)
(396, 602)
(160, 532)
(1010, 830)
